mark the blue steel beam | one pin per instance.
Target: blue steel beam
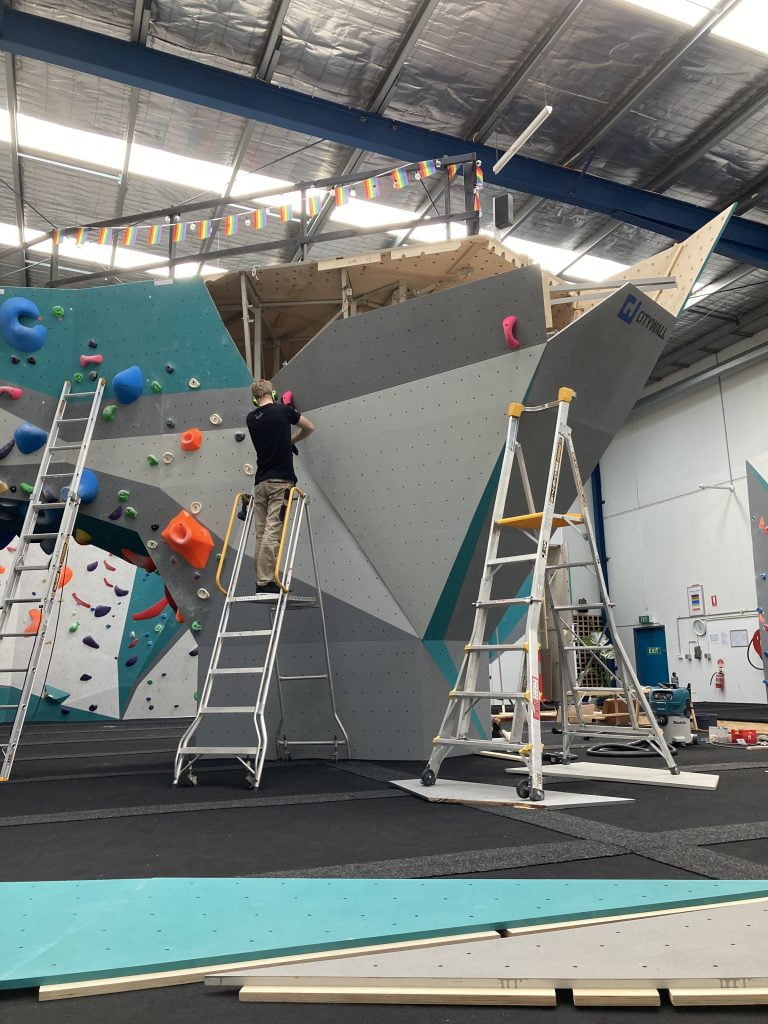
(95, 54)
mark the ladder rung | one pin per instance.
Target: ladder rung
(439, 741)
(58, 476)
(495, 647)
(608, 691)
(227, 711)
(312, 743)
(49, 504)
(22, 600)
(247, 598)
(8, 671)
(293, 679)
(512, 558)
(4, 635)
(247, 632)
(68, 446)
(242, 751)
(492, 694)
(73, 419)
(505, 601)
(80, 394)
(7, 707)
(31, 568)
(571, 565)
(532, 520)
(234, 671)
(38, 536)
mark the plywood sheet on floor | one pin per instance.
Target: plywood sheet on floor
(452, 792)
(625, 773)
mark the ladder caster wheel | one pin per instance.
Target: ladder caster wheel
(557, 730)
(524, 789)
(428, 777)
(536, 795)
(675, 770)
(695, 739)
(192, 779)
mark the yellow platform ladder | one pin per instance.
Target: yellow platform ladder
(576, 655)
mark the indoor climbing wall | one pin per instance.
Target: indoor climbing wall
(757, 490)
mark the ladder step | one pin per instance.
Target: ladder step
(73, 419)
(506, 601)
(494, 647)
(571, 565)
(48, 504)
(68, 446)
(295, 679)
(38, 536)
(249, 598)
(508, 560)
(580, 607)
(492, 694)
(235, 671)
(18, 635)
(58, 476)
(247, 632)
(223, 751)
(532, 520)
(227, 711)
(605, 691)
(22, 600)
(439, 741)
(8, 671)
(32, 568)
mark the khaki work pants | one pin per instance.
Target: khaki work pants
(269, 500)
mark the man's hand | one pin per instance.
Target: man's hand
(305, 429)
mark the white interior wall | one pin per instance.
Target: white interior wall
(665, 533)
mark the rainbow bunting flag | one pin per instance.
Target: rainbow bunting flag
(477, 202)
(451, 168)
(427, 168)
(341, 195)
(313, 206)
(155, 232)
(230, 225)
(129, 235)
(178, 232)
(286, 212)
(80, 236)
(105, 236)
(56, 236)
(371, 188)
(258, 219)
(204, 229)
(480, 176)
(399, 177)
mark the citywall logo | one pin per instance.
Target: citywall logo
(632, 312)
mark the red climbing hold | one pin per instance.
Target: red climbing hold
(34, 624)
(65, 576)
(189, 538)
(191, 440)
(152, 611)
(80, 601)
(508, 325)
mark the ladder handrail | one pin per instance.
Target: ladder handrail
(225, 543)
(286, 520)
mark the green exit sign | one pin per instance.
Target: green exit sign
(645, 620)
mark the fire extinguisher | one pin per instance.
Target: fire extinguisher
(719, 676)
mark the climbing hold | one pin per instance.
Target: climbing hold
(91, 360)
(29, 438)
(92, 707)
(91, 566)
(240, 436)
(196, 575)
(191, 439)
(85, 677)
(131, 661)
(193, 382)
(116, 514)
(168, 458)
(73, 629)
(169, 368)
(170, 423)
(108, 413)
(58, 312)
(15, 360)
(90, 642)
(215, 419)
(130, 512)
(203, 594)
(156, 386)
(155, 526)
(35, 615)
(82, 537)
(65, 576)
(12, 392)
(151, 544)
(27, 488)
(195, 507)
(54, 695)
(508, 326)
(102, 609)
(79, 601)
(189, 538)
(31, 360)
(78, 377)
(22, 337)
(159, 627)
(93, 375)
(7, 448)
(92, 344)
(87, 489)
(121, 592)
(248, 469)
(128, 385)
(195, 626)
(3, 487)
(194, 654)
(123, 495)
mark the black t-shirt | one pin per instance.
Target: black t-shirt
(270, 430)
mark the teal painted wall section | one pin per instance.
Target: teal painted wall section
(45, 711)
(154, 325)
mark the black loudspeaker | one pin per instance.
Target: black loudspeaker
(502, 211)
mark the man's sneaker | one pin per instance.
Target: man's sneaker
(267, 588)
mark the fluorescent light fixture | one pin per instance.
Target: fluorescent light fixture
(522, 138)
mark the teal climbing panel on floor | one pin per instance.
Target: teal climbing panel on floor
(73, 931)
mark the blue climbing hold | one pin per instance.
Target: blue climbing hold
(29, 438)
(128, 385)
(88, 489)
(23, 337)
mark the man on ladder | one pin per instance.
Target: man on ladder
(269, 425)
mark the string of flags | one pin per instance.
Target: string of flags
(255, 220)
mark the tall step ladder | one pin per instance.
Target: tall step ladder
(577, 656)
(44, 504)
(252, 754)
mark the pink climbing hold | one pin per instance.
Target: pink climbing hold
(91, 360)
(508, 325)
(12, 392)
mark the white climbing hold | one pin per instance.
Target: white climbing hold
(248, 469)
(195, 507)
(203, 594)
(193, 382)
(151, 544)
(167, 458)
(215, 419)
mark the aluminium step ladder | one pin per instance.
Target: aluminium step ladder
(576, 655)
(44, 505)
(252, 754)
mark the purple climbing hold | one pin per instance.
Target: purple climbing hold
(131, 661)
(90, 642)
(85, 677)
(102, 609)
(120, 592)
(193, 654)
(91, 566)
(116, 514)
(92, 707)
(7, 448)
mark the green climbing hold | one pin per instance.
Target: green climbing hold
(195, 626)
(195, 696)
(74, 627)
(27, 488)
(78, 377)
(149, 682)
(153, 460)
(130, 512)
(123, 495)
(58, 312)
(156, 386)
(108, 413)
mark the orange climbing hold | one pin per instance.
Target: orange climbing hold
(191, 440)
(34, 620)
(65, 576)
(189, 538)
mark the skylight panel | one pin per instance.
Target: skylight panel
(747, 25)
(60, 140)
(595, 268)
(689, 12)
(360, 214)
